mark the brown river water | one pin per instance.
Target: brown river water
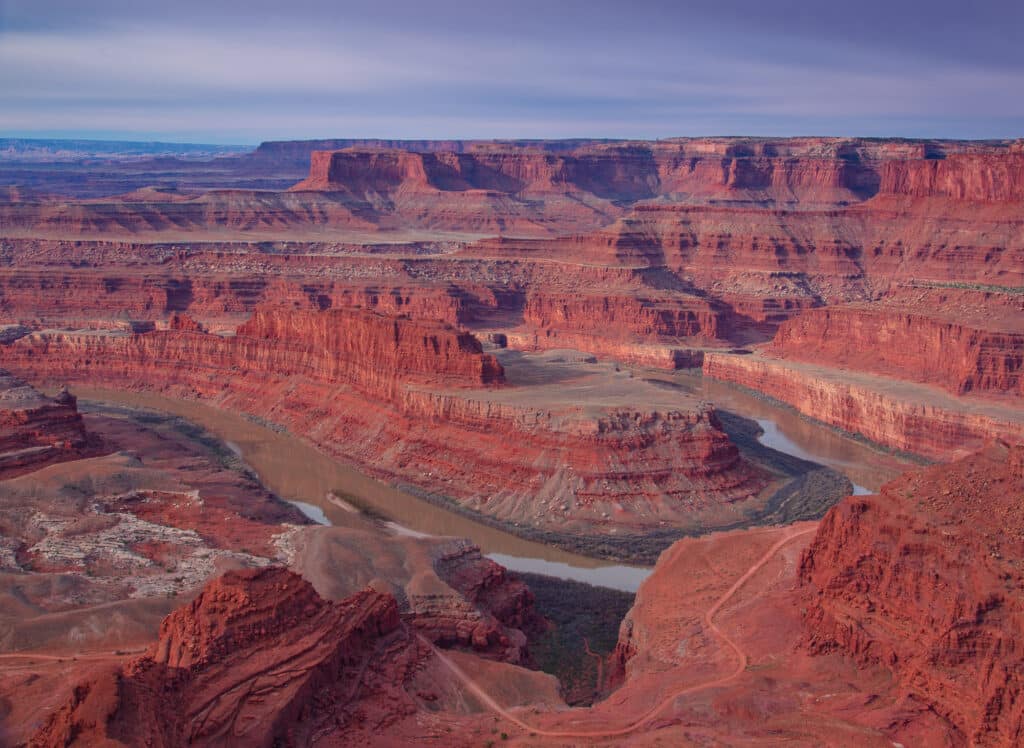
(299, 473)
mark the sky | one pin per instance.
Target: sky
(244, 72)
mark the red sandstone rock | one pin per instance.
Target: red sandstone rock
(925, 580)
(546, 188)
(646, 318)
(489, 585)
(642, 329)
(257, 659)
(368, 385)
(983, 352)
(183, 323)
(823, 171)
(901, 415)
(974, 177)
(41, 295)
(36, 430)
(374, 350)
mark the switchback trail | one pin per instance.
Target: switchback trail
(741, 663)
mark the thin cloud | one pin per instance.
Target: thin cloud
(595, 69)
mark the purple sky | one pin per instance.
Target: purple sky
(241, 72)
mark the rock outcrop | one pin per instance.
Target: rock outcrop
(371, 352)
(36, 430)
(925, 580)
(374, 351)
(961, 351)
(901, 415)
(806, 171)
(651, 330)
(982, 178)
(535, 188)
(258, 659)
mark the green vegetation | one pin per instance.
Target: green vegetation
(581, 615)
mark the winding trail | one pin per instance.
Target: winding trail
(600, 665)
(741, 662)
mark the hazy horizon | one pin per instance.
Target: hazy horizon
(256, 143)
(240, 74)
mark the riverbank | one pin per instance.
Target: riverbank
(293, 467)
(809, 490)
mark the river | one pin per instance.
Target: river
(304, 476)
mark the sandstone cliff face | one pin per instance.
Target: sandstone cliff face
(224, 209)
(36, 430)
(903, 416)
(960, 354)
(619, 172)
(925, 580)
(470, 601)
(796, 171)
(258, 659)
(373, 350)
(392, 394)
(562, 466)
(648, 329)
(975, 177)
(85, 298)
(487, 585)
(621, 316)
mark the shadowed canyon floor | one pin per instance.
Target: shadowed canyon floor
(297, 377)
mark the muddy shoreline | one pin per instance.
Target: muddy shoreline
(811, 489)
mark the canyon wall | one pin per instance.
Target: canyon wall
(741, 233)
(257, 659)
(957, 352)
(610, 316)
(419, 402)
(900, 416)
(373, 351)
(924, 579)
(974, 177)
(87, 298)
(795, 171)
(36, 430)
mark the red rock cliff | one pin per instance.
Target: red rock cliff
(973, 177)
(925, 579)
(901, 415)
(36, 430)
(625, 316)
(375, 350)
(258, 659)
(371, 352)
(392, 394)
(984, 353)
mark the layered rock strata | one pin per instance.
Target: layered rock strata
(36, 430)
(961, 352)
(901, 415)
(257, 659)
(925, 580)
(394, 394)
